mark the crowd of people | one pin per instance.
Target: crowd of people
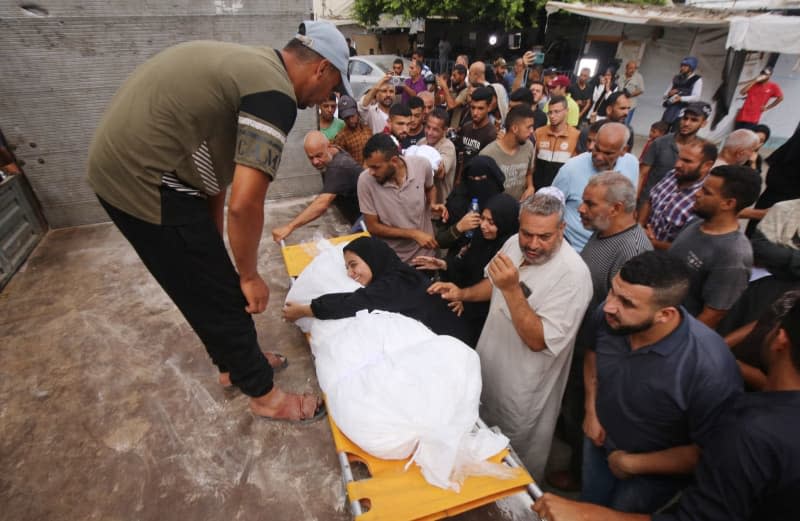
(614, 311)
(614, 301)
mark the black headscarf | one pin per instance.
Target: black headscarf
(481, 179)
(395, 287)
(382, 260)
(466, 267)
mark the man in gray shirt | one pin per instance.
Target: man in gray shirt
(718, 255)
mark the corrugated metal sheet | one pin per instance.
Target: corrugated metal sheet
(60, 70)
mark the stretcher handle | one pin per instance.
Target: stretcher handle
(533, 489)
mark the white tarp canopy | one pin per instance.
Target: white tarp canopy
(643, 14)
(756, 32)
(766, 32)
(336, 11)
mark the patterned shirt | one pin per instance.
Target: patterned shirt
(353, 141)
(671, 207)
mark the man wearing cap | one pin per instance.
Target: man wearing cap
(686, 87)
(339, 184)
(355, 134)
(328, 124)
(662, 153)
(500, 71)
(762, 95)
(185, 125)
(558, 87)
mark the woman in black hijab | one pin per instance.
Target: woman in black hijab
(389, 285)
(464, 267)
(481, 179)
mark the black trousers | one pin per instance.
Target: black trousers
(187, 256)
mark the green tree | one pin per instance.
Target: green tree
(510, 13)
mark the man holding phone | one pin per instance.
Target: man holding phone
(759, 92)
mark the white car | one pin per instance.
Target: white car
(365, 71)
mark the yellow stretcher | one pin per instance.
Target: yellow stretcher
(391, 492)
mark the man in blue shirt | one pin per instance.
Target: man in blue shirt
(655, 382)
(608, 154)
(750, 469)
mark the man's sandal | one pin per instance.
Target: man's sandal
(294, 404)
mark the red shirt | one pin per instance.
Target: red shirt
(758, 96)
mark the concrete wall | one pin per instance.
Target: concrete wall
(64, 59)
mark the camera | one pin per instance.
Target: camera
(452, 135)
(396, 81)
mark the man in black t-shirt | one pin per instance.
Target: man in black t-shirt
(581, 91)
(339, 184)
(478, 132)
(416, 128)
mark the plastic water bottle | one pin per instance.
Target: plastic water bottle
(473, 207)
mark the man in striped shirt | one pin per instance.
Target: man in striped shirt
(671, 202)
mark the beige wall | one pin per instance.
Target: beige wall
(391, 43)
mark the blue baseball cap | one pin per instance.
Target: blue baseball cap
(326, 40)
(691, 61)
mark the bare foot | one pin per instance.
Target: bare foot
(276, 360)
(280, 405)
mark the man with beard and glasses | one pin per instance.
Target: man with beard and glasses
(750, 468)
(671, 202)
(718, 255)
(538, 289)
(609, 203)
(656, 379)
(555, 143)
(397, 196)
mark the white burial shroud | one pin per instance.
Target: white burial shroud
(394, 387)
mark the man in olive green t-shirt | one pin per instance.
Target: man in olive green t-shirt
(185, 125)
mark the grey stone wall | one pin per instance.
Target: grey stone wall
(62, 60)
